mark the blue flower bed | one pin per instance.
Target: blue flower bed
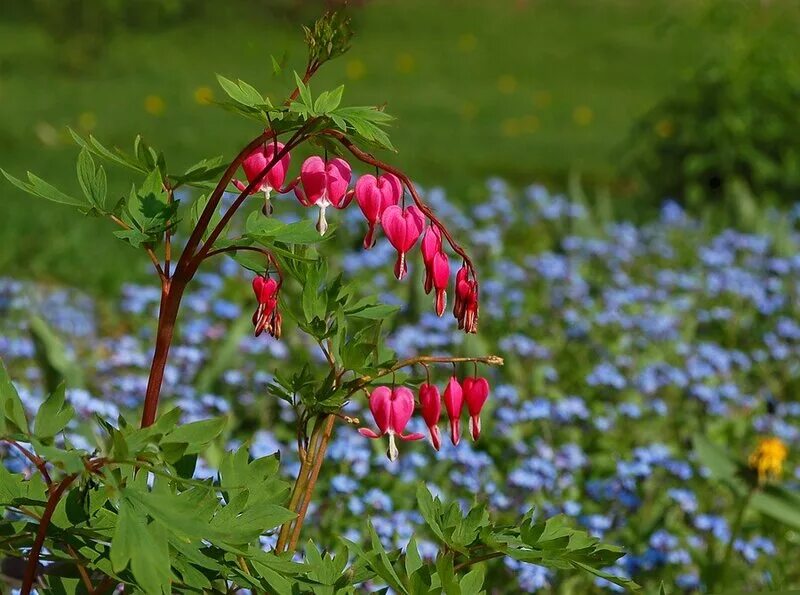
(623, 343)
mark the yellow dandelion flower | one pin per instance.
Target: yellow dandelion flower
(582, 115)
(154, 105)
(355, 69)
(507, 84)
(664, 128)
(204, 95)
(467, 42)
(768, 458)
(87, 121)
(405, 63)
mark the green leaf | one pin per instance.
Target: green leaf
(430, 509)
(472, 582)
(305, 92)
(38, 187)
(268, 229)
(92, 180)
(241, 92)
(196, 434)
(13, 420)
(53, 415)
(96, 148)
(779, 504)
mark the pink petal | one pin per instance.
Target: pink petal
(338, 179)
(380, 404)
(391, 189)
(313, 178)
(431, 243)
(369, 197)
(368, 433)
(476, 392)
(441, 270)
(411, 437)
(431, 403)
(402, 408)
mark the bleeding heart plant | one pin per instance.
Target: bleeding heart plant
(127, 515)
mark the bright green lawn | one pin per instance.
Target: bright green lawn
(524, 90)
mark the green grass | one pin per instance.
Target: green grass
(523, 90)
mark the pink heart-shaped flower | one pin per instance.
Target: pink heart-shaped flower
(402, 228)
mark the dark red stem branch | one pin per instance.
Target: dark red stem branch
(33, 556)
(37, 461)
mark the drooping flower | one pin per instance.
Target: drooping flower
(391, 409)
(374, 196)
(768, 458)
(324, 185)
(254, 164)
(403, 228)
(431, 405)
(476, 391)
(453, 403)
(440, 272)
(267, 317)
(465, 308)
(430, 246)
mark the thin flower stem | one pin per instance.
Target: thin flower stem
(150, 253)
(319, 457)
(483, 558)
(489, 360)
(36, 460)
(81, 569)
(168, 236)
(737, 527)
(33, 556)
(299, 486)
(270, 257)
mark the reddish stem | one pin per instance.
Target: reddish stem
(37, 461)
(33, 559)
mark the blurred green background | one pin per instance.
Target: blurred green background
(526, 90)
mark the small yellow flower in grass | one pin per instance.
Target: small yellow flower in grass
(154, 105)
(87, 121)
(204, 95)
(467, 42)
(507, 84)
(582, 115)
(768, 458)
(664, 128)
(355, 69)
(405, 63)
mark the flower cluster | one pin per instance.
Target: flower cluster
(325, 183)
(392, 409)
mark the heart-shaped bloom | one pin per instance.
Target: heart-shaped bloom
(431, 405)
(402, 228)
(391, 409)
(465, 308)
(453, 403)
(430, 246)
(258, 159)
(267, 317)
(374, 195)
(324, 185)
(440, 273)
(476, 391)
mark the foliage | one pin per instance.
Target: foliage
(728, 135)
(129, 509)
